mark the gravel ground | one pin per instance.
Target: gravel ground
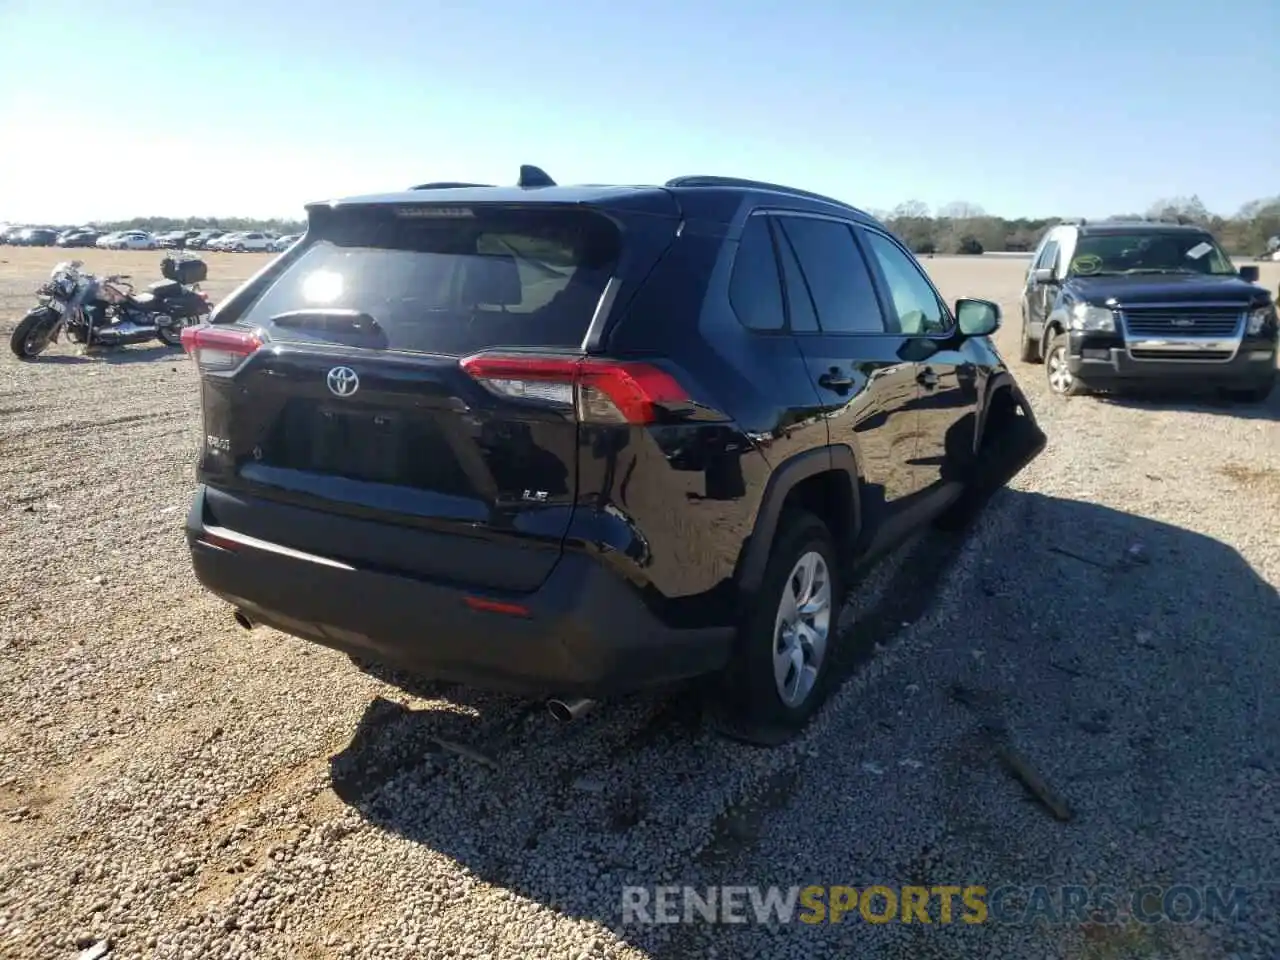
(171, 786)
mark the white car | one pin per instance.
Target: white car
(242, 242)
(284, 243)
(226, 241)
(105, 241)
(131, 240)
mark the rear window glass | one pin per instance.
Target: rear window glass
(446, 284)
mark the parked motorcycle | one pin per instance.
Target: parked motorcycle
(107, 312)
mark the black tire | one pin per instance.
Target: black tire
(240, 248)
(750, 706)
(170, 336)
(31, 335)
(1030, 349)
(1070, 387)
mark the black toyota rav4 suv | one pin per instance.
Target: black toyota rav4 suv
(1112, 305)
(574, 441)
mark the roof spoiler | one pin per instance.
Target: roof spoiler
(530, 177)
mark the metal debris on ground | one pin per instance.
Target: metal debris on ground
(1063, 551)
(1018, 765)
(996, 731)
(464, 751)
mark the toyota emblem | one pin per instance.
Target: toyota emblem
(343, 381)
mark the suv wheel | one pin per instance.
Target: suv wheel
(780, 669)
(1030, 352)
(1061, 380)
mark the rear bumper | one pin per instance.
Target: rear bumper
(584, 632)
(1253, 366)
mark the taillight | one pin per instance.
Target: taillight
(600, 391)
(219, 349)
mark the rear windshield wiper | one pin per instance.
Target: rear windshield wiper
(331, 320)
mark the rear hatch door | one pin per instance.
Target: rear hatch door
(358, 405)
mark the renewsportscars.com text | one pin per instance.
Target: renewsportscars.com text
(969, 904)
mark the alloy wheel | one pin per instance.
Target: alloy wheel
(1060, 378)
(801, 628)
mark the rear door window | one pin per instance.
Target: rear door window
(444, 280)
(753, 288)
(837, 278)
(800, 309)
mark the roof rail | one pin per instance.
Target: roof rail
(448, 185)
(713, 181)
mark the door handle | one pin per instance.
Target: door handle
(927, 378)
(833, 379)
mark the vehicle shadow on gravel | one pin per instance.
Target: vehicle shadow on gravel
(1131, 658)
(118, 357)
(1197, 403)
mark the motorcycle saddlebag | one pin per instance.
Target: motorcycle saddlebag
(184, 270)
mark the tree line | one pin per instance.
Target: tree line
(967, 228)
(228, 224)
(954, 228)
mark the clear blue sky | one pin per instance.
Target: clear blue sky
(254, 107)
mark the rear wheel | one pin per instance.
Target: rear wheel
(171, 336)
(780, 672)
(1030, 352)
(1061, 380)
(31, 335)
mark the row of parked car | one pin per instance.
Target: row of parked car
(237, 241)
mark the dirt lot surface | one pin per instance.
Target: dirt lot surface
(172, 786)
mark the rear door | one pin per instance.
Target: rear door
(361, 405)
(867, 390)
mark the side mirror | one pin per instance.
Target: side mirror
(1249, 273)
(977, 318)
(1044, 275)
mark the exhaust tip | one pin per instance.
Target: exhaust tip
(566, 711)
(243, 620)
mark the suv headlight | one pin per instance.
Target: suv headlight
(1260, 319)
(1085, 317)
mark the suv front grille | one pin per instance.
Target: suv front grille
(1199, 355)
(1192, 320)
